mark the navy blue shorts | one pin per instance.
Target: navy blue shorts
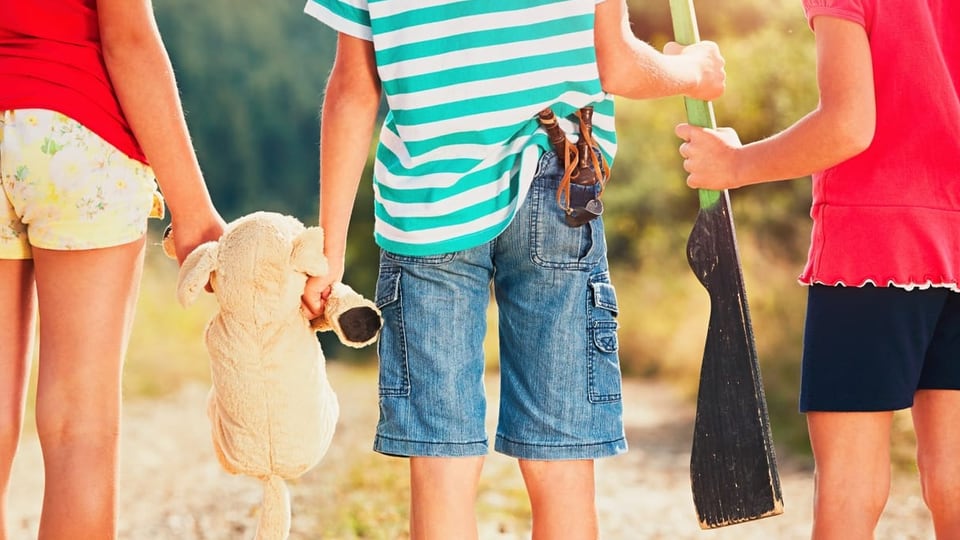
(871, 348)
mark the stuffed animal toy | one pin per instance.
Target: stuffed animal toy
(271, 408)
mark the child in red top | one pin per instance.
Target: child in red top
(87, 97)
(883, 313)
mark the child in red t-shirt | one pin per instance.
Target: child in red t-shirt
(89, 114)
(882, 329)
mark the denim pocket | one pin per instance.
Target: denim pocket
(425, 260)
(553, 243)
(394, 370)
(604, 361)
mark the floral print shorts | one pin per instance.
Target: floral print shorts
(65, 188)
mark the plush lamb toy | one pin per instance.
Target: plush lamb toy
(271, 408)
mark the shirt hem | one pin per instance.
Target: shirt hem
(908, 286)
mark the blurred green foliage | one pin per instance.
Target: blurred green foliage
(252, 76)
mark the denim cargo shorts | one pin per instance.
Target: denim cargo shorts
(560, 383)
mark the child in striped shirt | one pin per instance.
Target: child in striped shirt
(467, 185)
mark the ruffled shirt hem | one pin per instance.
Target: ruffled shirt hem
(909, 247)
(909, 285)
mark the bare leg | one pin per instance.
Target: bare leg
(17, 313)
(443, 492)
(852, 479)
(562, 498)
(86, 302)
(936, 415)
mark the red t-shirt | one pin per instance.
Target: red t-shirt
(891, 215)
(51, 58)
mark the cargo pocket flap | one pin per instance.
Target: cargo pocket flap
(605, 296)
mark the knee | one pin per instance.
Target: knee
(558, 473)
(10, 429)
(941, 487)
(60, 417)
(852, 495)
(59, 428)
(554, 480)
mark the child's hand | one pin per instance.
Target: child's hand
(193, 231)
(710, 156)
(191, 234)
(710, 75)
(315, 293)
(317, 289)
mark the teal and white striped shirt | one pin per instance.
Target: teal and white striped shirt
(464, 81)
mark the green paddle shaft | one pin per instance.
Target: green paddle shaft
(699, 112)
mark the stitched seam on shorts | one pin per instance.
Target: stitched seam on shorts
(543, 445)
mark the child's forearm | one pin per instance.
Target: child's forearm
(843, 123)
(345, 147)
(715, 159)
(816, 142)
(349, 112)
(143, 78)
(631, 68)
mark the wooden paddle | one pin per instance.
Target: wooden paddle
(733, 468)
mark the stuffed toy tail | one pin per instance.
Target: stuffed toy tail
(274, 510)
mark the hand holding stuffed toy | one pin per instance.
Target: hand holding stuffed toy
(272, 409)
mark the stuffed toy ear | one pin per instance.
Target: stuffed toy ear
(307, 255)
(195, 272)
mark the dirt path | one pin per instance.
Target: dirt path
(172, 487)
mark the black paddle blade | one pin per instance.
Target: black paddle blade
(733, 466)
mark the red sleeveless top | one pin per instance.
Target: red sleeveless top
(51, 58)
(891, 215)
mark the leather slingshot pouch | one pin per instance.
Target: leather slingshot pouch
(585, 169)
